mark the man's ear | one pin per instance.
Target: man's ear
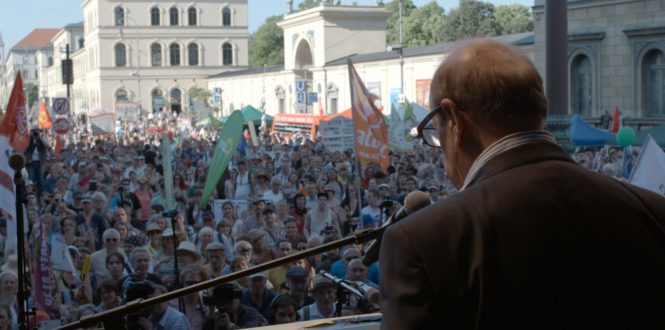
(456, 122)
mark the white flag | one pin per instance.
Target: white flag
(649, 172)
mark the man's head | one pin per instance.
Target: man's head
(216, 256)
(356, 271)
(297, 280)
(140, 259)
(483, 91)
(258, 282)
(111, 239)
(323, 292)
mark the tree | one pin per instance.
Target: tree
(513, 18)
(200, 94)
(392, 24)
(470, 19)
(266, 45)
(32, 94)
(307, 4)
(423, 25)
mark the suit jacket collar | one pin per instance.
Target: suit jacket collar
(526, 154)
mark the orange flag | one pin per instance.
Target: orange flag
(44, 119)
(15, 123)
(616, 120)
(59, 143)
(371, 133)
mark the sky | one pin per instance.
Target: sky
(18, 18)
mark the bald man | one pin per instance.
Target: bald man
(532, 239)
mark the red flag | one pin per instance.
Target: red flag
(15, 123)
(616, 120)
(371, 133)
(44, 119)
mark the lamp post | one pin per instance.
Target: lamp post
(399, 48)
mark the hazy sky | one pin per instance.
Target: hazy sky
(19, 17)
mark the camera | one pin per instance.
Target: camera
(222, 296)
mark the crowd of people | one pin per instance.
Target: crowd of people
(104, 196)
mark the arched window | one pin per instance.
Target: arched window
(580, 89)
(176, 100)
(119, 15)
(120, 55)
(121, 95)
(227, 54)
(173, 16)
(193, 54)
(157, 100)
(156, 55)
(174, 54)
(653, 83)
(226, 16)
(191, 16)
(154, 16)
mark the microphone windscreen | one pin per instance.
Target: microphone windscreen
(16, 162)
(415, 201)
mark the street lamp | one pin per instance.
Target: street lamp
(399, 48)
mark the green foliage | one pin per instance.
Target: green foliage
(200, 94)
(392, 24)
(513, 18)
(266, 45)
(470, 19)
(307, 4)
(422, 26)
(31, 94)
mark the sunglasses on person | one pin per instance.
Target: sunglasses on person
(426, 130)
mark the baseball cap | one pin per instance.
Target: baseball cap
(321, 282)
(296, 271)
(259, 274)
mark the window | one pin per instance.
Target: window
(191, 16)
(119, 15)
(157, 100)
(581, 92)
(227, 54)
(226, 17)
(156, 55)
(174, 54)
(653, 83)
(173, 16)
(154, 16)
(50, 60)
(120, 55)
(193, 54)
(81, 42)
(121, 95)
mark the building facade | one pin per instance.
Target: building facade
(616, 58)
(30, 56)
(153, 54)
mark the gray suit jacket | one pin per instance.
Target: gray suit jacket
(536, 241)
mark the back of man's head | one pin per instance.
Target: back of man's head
(495, 83)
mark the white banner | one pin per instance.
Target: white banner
(649, 172)
(102, 124)
(126, 111)
(60, 257)
(337, 134)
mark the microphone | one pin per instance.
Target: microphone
(357, 288)
(413, 202)
(170, 213)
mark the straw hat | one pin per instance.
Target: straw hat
(11, 264)
(188, 247)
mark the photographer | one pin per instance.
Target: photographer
(229, 313)
(35, 160)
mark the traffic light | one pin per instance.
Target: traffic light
(67, 72)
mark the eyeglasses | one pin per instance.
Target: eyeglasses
(111, 239)
(426, 130)
(349, 258)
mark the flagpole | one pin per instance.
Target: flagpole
(356, 163)
(17, 162)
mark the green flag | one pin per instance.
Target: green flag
(226, 146)
(168, 172)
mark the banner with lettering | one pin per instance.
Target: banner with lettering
(371, 133)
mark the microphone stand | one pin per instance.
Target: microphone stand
(176, 272)
(17, 162)
(139, 304)
(342, 288)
